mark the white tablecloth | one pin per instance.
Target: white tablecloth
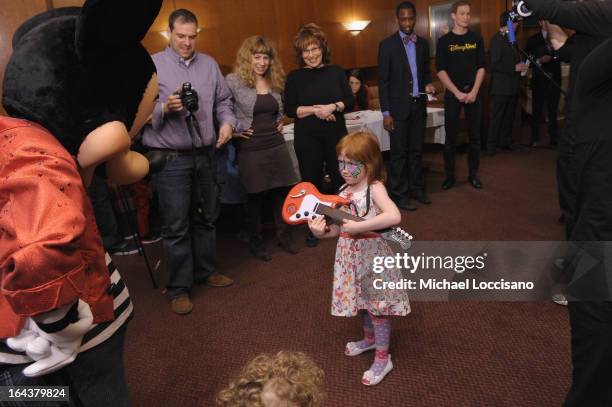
(373, 120)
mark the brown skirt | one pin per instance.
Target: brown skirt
(266, 169)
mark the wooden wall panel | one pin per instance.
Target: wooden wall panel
(12, 14)
(66, 3)
(225, 24)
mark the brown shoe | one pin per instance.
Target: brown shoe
(219, 280)
(181, 305)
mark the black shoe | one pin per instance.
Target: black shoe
(258, 250)
(448, 183)
(475, 182)
(312, 241)
(124, 248)
(512, 147)
(423, 198)
(406, 204)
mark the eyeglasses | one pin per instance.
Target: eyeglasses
(311, 51)
(351, 166)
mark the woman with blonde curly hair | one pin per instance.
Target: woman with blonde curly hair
(289, 379)
(264, 163)
(316, 95)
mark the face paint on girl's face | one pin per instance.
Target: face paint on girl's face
(353, 167)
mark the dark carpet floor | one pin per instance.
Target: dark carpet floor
(445, 354)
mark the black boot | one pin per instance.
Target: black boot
(286, 242)
(284, 232)
(311, 240)
(257, 247)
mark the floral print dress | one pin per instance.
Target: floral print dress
(353, 269)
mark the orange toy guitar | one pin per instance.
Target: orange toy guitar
(305, 202)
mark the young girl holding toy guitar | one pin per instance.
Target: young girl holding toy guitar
(361, 165)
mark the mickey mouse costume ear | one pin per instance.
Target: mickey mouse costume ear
(74, 69)
(42, 18)
(106, 26)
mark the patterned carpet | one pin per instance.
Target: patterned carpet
(445, 354)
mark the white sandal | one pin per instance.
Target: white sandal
(352, 349)
(371, 379)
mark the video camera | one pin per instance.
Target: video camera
(189, 97)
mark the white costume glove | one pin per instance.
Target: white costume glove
(52, 351)
(27, 335)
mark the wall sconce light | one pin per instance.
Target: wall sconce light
(355, 27)
(166, 33)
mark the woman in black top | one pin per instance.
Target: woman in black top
(316, 95)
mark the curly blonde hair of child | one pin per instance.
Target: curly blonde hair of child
(292, 376)
(244, 70)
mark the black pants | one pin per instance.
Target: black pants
(101, 200)
(544, 94)
(566, 174)
(253, 209)
(502, 120)
(314, 150)
(473, 116)
(591, 324)
(405, 173)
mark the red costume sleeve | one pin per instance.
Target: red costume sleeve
(42, 199)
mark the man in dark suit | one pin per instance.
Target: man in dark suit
(506, 69)
(404, 77)
(544, 93)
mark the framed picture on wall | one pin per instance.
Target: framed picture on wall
(440, 22)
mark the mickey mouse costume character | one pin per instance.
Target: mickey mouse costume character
(77, 94)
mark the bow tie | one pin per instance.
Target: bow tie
(412, 37)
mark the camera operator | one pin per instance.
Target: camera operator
(187, 185)
(592, 21)
(585, 165)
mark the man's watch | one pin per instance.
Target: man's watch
(337, 107)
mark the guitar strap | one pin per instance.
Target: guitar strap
(352, 205)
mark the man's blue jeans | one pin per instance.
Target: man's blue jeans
(188, 216)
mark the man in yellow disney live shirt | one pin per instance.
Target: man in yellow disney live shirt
(460, 61)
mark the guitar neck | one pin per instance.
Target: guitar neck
(399, 238)
(338, 215)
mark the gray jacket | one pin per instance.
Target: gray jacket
(244, 101)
